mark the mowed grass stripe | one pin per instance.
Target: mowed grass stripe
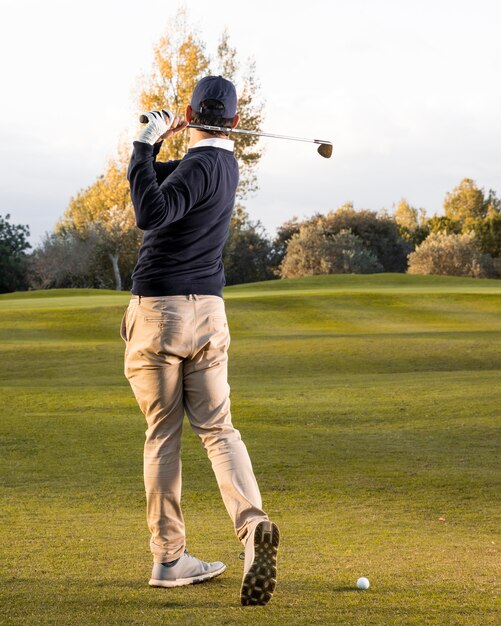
(313, 285)
(372, 418)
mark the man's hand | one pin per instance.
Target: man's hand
(175, 125)
(162, 124)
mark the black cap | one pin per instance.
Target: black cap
(215, 88)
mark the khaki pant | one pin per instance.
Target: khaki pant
(176, 361)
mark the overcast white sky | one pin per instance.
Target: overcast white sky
(409, 93)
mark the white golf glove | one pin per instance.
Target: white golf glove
(156, 126)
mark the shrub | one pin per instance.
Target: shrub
(313, 251)
(63, 260)
(379, 233)
(451, 255)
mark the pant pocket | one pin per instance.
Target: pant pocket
(220, 331)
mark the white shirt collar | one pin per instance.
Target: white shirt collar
(217, 142)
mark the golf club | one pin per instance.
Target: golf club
(324, 148)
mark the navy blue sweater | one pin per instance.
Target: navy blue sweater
(184, 207)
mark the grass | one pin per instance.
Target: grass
(370, 406)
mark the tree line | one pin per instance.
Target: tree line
(464, 241)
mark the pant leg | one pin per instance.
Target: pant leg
(207, 403)
(154, 369)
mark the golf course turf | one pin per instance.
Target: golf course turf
(370, 406)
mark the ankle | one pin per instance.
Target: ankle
(170, 563)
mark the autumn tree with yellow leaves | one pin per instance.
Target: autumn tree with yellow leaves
(103, 211)
(180, 61)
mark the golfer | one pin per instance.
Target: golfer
(177, 338)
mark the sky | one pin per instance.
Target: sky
(409, 93)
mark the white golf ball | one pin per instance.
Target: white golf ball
(363, 583)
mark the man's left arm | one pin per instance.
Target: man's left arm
(157, 199)
(157, 205)
(163, 168)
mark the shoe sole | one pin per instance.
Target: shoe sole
(259, 583)
(179, 582)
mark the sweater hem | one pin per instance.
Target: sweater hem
(144, 288)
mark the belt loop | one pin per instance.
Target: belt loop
(139, 300)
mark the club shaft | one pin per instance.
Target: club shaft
(254, 132)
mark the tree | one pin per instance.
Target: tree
(451, 255)
(372, 243)
(117, 235)
(378, 233)
(406, 216)
(443, 224)
(250, 110)
(64, 260)
(488, 233)
(468, 208)
(283, 235)
(180, 61)
(493, 204)
(247, 253)
(313, 251)
(103, 212)
(13, 259)
(467, 203)
(411, 223)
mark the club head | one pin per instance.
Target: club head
(325, 150)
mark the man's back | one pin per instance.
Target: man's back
(186, 224)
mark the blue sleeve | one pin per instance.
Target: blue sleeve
(157, 205)
(163, 169)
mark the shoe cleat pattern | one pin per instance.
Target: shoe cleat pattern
(260, 581)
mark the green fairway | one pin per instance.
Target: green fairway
(371, 409)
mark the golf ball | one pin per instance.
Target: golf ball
(363, 583)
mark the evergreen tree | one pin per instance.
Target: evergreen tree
(13, 260)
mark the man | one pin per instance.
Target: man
(177, 338)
